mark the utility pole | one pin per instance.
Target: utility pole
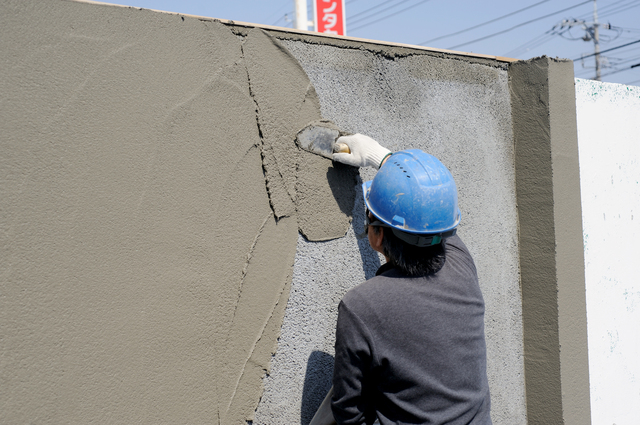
(596, 39)
(592, 32)
(302, 21)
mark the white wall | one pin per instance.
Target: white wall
(608, 118)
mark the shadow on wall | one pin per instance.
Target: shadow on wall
(370, 258)
(336, 177)
(317, 382)
(319, 371)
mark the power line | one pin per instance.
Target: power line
(583, 74)
(621, 9)
(614, 63)
(389, 16)
(615, 68)
(623, 69)
(482, 24)
(615, 71)
(364, 18)
(285, 17)
(531, 44)
(592, 31)
(287, 3)
(284, 5)
(614, 4)
(625, 60)
(608, 50)
(384, 3)
(606, 9)
(519, 25)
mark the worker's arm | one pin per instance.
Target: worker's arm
(365, 152)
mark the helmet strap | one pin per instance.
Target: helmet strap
(420, 241)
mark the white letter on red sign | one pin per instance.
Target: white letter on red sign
(331, 9)
(329, 16)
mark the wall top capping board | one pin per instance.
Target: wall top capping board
(293, 33)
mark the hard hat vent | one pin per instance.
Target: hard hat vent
(397, 164)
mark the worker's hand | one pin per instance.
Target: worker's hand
(365, 152)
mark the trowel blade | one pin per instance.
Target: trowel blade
(318, 138)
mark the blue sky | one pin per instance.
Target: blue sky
(514, 28)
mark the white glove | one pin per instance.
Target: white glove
(365, 152)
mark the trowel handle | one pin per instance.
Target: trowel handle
(341, 148)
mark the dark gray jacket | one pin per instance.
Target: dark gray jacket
(412, 350)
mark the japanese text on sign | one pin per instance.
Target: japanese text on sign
(329, 16)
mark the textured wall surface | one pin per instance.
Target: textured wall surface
(609, 141)
(457, 110)
(152, 194)
(157, 217)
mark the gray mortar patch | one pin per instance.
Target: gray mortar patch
(300, 184)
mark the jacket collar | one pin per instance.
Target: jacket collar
(385, 268)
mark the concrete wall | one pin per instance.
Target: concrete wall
(165, 243)
(609, 141)
(460, 111)
(148, 234)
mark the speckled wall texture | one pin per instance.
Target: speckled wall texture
(168, 253)
(458, 110)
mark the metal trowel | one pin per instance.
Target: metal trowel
(320, 137)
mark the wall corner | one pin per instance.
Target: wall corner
(550, 241)
(572, 310)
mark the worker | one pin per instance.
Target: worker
(410, 343)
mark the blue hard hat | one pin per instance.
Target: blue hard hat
(415, 193)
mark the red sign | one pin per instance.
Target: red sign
(328, 17)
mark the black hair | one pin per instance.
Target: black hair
(410, 259)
